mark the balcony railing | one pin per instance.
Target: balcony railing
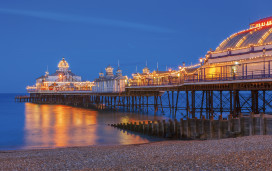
(249, 75)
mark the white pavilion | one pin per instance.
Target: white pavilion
(61, 80)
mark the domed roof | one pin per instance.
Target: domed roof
(63, 64)
(260, 33)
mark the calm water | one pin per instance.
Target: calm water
(32, 126)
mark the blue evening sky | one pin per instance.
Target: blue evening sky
(91, 34)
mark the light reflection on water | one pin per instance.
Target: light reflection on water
(50, 126)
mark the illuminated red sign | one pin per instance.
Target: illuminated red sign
(261, 23)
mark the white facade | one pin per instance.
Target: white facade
(110, 83)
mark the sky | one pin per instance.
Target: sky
(35, 35)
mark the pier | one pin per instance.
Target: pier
(23, 99)
(235, 79)
(206, 98)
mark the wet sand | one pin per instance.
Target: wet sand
(243, 153)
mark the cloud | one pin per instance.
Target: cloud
(85, 19)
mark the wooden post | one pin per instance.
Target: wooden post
(176, 129)
(251, 124)
(192, 124)
(160, 132)
(144, 128)
(187, 128)
(211, 127)
(154, 128)
(230, 123)
(220, 120)
(171, 128)
(164, 128)
(140, 127)
(262, 126)
(181, 127)
(149, 128)
(242, 126)
(202, 128)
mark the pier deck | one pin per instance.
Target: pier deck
(212, 98)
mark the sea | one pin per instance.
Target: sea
(25, 125)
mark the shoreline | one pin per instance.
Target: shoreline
(243, 153)
(83, 146)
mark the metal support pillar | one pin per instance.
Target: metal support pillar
(263, 101)
(193, 103)
(254, 101)
(147, 104)
(173, 103)
(176, 104)
(161, 104)
(221, 102)
(230, 92)
(211, 103)
(187, 104)
(207, 104)
(169, 102)
(202, 101)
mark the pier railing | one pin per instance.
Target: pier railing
(252, 75)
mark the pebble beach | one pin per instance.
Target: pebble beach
(243, 153)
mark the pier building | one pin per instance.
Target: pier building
(170, 77)
(62, 79)
(244, 55)
(110, 82)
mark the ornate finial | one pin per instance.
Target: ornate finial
(46, 72)
(119, 71)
